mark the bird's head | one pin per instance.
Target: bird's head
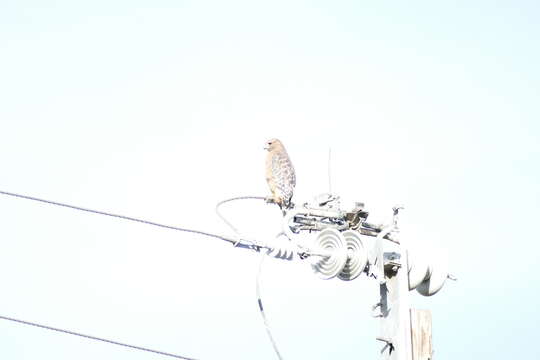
(273, 144)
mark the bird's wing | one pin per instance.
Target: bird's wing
(283, 174)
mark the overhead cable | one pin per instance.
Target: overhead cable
(261, 308)
(240, 237)
(95, 338)
(123, 217)
(259, 271)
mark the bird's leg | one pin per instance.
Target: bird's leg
(273, 200)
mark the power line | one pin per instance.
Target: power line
(69, 332)
(123, 217)
(237, 242)
(259, 272)
(229, 224)
(261, 308)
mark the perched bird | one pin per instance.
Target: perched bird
(279, 174)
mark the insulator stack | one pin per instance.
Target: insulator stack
(426, 277)
(331, 242)
(356, 256)
(282, 248)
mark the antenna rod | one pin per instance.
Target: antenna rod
(329, 177)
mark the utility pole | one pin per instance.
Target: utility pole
(393, 306)
(395, 327)
(421, 334)
(342, 250)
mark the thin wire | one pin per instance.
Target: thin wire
(95, 338)
(329, 177)
(236, 242)
(261, 309)
(129, 218)
(240, 237)
(258, 277)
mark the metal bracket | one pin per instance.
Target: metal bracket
(388, 344)
(375, 307)
(392, 263)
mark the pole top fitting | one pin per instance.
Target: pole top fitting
(395, 210)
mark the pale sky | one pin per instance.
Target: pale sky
(161, 109)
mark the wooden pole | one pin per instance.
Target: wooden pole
(421, 334)
(395, 318)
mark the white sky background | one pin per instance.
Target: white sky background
(161, 111)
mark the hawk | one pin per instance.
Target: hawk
(279, 174)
